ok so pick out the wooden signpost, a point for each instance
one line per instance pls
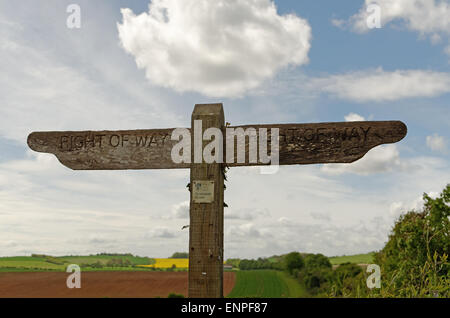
(342, 142)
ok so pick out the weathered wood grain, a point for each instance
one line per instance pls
(341, 142)
(108, 150)
(206, 219)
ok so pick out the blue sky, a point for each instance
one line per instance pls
(322, 67)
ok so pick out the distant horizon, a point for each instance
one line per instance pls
(120, 254)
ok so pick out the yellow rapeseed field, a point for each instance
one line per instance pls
(169, 262)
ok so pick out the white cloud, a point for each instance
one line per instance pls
(325, 217)
(160, 233)
(181, 210)
(437, 143)
(447, 50)
(245, 214)
(243, 232)
(400, 207)
(423, 16)
(354, 117)
(56, 94)
(427, 17)
(378, 160)
(396, 209)
(377, 85)
(47, 208)
(325, 237)
(435, 39)
(284, 220)
(218, 48)
(338, 22)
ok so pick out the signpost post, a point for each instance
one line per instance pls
(290, 144)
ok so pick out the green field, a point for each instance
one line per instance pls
(356, 259)
(50, 263)
(103, 262)
(103, 259)
(266, 284)
(28, 264)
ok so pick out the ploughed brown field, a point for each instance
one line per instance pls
(100, 284)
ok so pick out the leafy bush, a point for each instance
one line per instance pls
(260, 263)
(115, 254)
(414, 262)
(53, 260)
(233, 262)
(348, 280)
(96, 265)
(180, 255)
(294, 261)
(317, 261)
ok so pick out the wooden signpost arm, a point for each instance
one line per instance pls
(341, 142)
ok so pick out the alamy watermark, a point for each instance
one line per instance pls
(257, 152)
(74, 19)
(374, 279)
(74, 279)
(373, 20)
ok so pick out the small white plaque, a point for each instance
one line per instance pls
(203, 191)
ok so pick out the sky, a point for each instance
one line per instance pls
(143, 65)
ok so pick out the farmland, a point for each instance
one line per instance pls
(266, 284)
(356, 259)
(110, 275)
(142, 284)
(90, 263)
(125, 262)
(168, 263)
(104, 259)
(24, 263)
(39, 263)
